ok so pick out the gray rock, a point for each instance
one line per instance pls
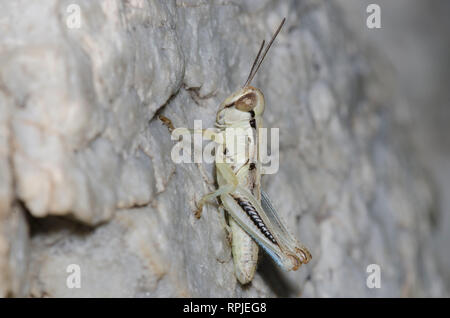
(82, 151)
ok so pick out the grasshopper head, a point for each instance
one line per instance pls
(248, 101)
(244, 104)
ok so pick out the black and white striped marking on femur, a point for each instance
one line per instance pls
(254, 216)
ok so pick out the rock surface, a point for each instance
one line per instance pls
(86, 172)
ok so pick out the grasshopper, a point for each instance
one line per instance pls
(253, 220)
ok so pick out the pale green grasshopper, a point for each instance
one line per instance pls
(253, 218)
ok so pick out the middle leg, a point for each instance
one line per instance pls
(231, 180)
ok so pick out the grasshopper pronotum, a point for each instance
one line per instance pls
(253, 218)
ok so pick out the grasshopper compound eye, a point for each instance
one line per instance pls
(246, 103)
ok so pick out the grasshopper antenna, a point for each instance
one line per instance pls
(254, 63)
(257, 64)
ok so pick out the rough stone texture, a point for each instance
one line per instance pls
(419, 54)
(83, 153)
